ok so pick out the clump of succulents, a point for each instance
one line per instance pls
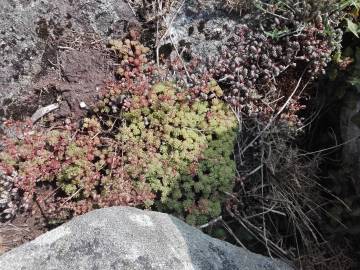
(9, 196)
(63, 170)
(146, 143)
(132, 55)
(314, 24)
(264, 55)
(177, 143)
(251, 64)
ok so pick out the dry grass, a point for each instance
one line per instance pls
(277, 188)
(153, 11)
(317, 259)
(240, 6)
(278, 200)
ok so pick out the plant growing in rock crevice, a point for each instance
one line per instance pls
(149, 144)
(177, 143)
(73, 162)
(258, 58)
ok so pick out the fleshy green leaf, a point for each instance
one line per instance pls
(352, 27)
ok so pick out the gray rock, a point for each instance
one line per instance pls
(129, 238)
(27, 26)
(350, 133)
(201, 27)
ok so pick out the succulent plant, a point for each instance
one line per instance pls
(132, 55)
(261, 55)
(177, 142)
(9, 196)
(145, 144)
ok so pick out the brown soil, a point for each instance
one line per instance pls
(22, 229)
(76, 73)
(83, 74)
(79, 72)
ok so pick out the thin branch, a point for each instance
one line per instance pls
(233, 234)
(43, 111)
(211, 222)
(271, 121)
(72, 196)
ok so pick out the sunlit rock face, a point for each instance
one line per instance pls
(129, 238)
(29, 31)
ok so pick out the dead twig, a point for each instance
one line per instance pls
(72, 196)
(271, 121)
(211, 222)
(233, 234)
(43, 111)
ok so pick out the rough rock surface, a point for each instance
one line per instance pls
(83, 75)
(129, 238)
(27, 28)
(201, 27)
(350, 132)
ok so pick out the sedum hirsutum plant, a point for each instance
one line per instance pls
(146, 144)
(180, 146)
